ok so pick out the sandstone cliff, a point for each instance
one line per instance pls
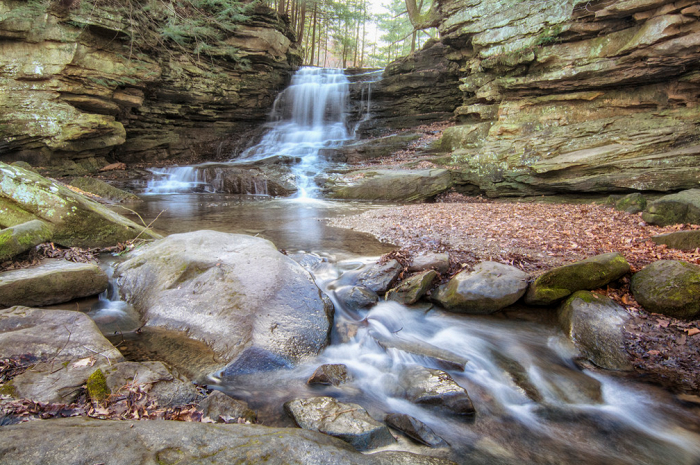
(565, 96)
(77, 90)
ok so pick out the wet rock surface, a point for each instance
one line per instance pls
(488, 288)
(51, 282)
(414, 429)
(349, 422)
(356, 297)
(435, 389)
(596, 326)
(412, 289)
(379, 277)
(669, 287)
(254, 307)
(224, 409)
(330, 374)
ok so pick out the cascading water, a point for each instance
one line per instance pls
(308, 116)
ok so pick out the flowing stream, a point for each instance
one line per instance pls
(533, 403)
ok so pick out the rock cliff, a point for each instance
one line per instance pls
(565, 96)
(82, 83)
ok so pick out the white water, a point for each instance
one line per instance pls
(309, 115)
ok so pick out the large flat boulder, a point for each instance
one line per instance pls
(67, 346)
(390, 185)
(488, 288)
(595, 324)
(254, 307)
(435, 389)
(670, 287)
(84, 440)
(588, 274)
(682, 240)
(683, 207)
(51, 282)
(76, 220)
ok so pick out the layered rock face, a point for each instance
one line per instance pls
(575, 96)
(77, 89)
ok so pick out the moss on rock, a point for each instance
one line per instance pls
(97, 386)
(669, 287)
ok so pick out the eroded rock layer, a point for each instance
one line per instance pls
(86, 83)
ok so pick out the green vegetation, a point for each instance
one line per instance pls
(549, 35)
(97, 388)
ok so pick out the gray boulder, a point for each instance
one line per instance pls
(330, 374)
(390, 185)
(683, 207)
(67, 345)
(162, 383)
(435, 389)
(254, 307)
(76, 220)
(414, 429)
(681, 240)
(595, 324)
(22, 237)
(439, 262)
(490, 287)
(669, 287)
(51, 282)
(151, 442)
(225, 409)
(379, 277)
(413, 288)
(585, 275)
(356, 297)
(349, 422)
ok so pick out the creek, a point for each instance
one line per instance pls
(534, 404)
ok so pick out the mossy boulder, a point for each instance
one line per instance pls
(595, 324)
(22, 237)
(683, 207)
(588, 274)
(490, 287)
(413, 288)
(76, 220)
(104, 190)
(669, 287)
(681, 240)
(632, 203)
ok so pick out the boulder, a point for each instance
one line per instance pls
(379, 277)
(390, 185)
(681, 240)
(103, 190)
(225, 409)
(439, 262)
(330, 374)
(413, 288)
(22, 237)
(356, 297)
(441, 357)
(51, 282)
(683, 207)
(76, 220)
(67, 346)
(254, 307)
(588, 274)
(349, 422)
(436, 390)
(162, 383)
(414, 429)
(118, 442)
(595, 324)
(669, 287)
(490, 287)
(631, 203)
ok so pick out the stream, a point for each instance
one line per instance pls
(533, 403)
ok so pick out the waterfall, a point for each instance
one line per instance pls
(307, 116)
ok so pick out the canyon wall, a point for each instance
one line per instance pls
(78, 92)
(566, 96)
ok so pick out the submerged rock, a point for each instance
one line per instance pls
(669, 287)
(181, 442)
(490, 287)
(51, 282)
(415, 429)
(390, 185)
(256, 308)
(67, 346)
(76, 221)
(349, 422)
(588, 274)
(379, 277)
(333, 375)
(413, 288)
(683, 207)
(435, 389)
(595, 324)
(225, 409)
(22, 237)
(356, 297)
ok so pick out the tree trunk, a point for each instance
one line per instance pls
(422, 21)
(301, 19)
(313, 36)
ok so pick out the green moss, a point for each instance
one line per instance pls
(9, 389)
(97, 386)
